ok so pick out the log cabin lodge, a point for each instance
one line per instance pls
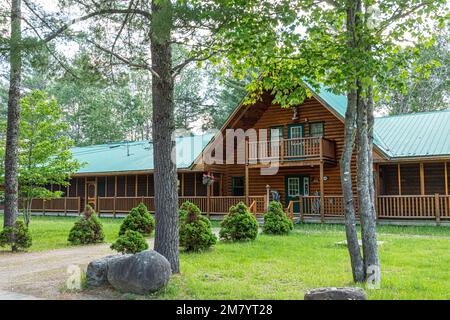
(411, 170)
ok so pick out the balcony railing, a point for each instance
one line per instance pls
(290, 150)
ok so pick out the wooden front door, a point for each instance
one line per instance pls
(91, 191)
(296, 186)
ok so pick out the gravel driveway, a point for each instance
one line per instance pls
(43, 274)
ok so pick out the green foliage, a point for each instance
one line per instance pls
(130, 242)
(239, 224)
(276, 220)
(87, 229)
(427, 79)
(17, 237)
(139, 219)
(309, 42)
(195, 229)
(44, 150)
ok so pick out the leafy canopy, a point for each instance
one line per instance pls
(44, 148)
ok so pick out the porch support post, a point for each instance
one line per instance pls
(115, 186)
(322, 202)
(377, 187)
(208, 203)
(422, 179)
(446, 178)
(182, 184)
(437, 209)
(115, 195)
(126, 186)
(195, 184)
(399, 176)
(136, 186)
(246, 172)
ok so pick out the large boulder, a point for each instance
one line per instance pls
(141, 273)
(97, 271)
(336, 294)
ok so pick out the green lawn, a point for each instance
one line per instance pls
(51, 232)
(415, 265)
(415, 262)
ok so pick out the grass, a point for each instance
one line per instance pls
(415, 265)
(415, 262)
(50, 232)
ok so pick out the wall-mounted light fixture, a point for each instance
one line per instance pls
(295, 116)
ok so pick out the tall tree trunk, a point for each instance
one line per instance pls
(165, 176)
(346, 160)
(366, 191)
(12, 133)
(347, 190)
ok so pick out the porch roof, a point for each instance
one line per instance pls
(137, 155)
(423, 134)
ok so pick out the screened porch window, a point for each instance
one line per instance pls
(237, 186)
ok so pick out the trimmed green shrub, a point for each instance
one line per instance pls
(239, 224)
(130, 242)
(276, 220)
(19, 234)
(195, 229)
(88, 229)
(140, 220)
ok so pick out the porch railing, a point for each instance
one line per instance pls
(414, 207)
(62, 205)
(290, 149)
(433, 207)
(213, 205)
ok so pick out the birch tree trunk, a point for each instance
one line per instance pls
(165, 176)
(346, 160)
(366, 190)
(12, 131)
(347, 190)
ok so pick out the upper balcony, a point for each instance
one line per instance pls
(291, 151)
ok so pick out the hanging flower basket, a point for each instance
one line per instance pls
(208, 179)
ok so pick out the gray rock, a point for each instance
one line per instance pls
(336, 294)
(97, 271)
(141, 273)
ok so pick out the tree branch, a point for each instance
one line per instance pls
(402, 14)
(126, 60)
(56, 33)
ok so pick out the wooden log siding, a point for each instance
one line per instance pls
(263, 115)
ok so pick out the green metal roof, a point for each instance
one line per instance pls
(337, 102)
(416, 134)
(136, 156)
(409, 135)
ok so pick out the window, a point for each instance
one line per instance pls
(293, 187)
(276, 133)
(237, 185)
(316, 129)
